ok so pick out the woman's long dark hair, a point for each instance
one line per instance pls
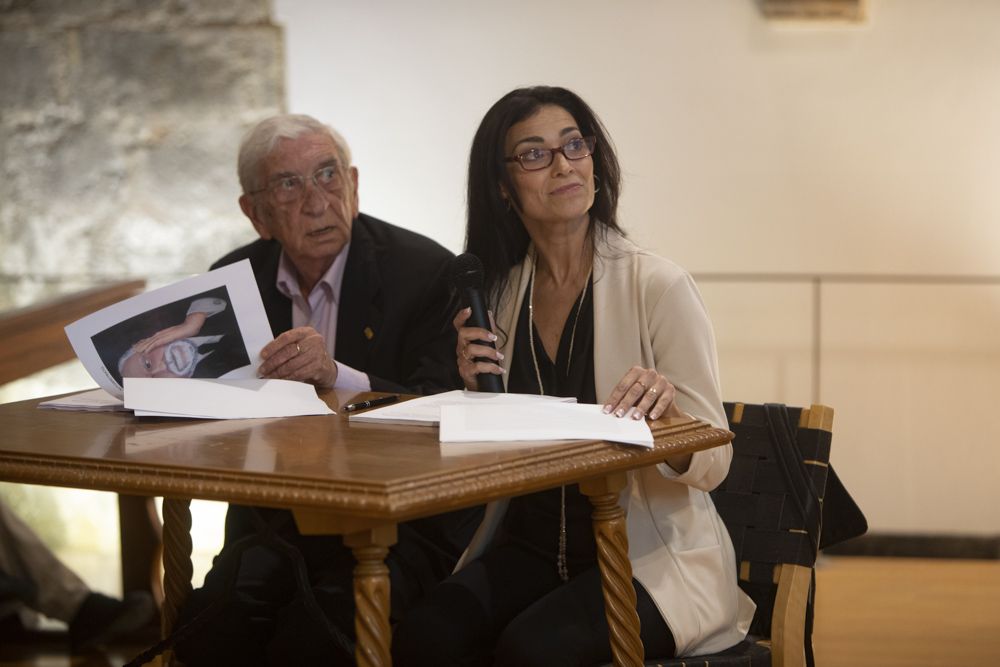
(494, 231)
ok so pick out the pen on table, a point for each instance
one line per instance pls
(371, 403)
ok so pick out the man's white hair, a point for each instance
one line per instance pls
(258, 143)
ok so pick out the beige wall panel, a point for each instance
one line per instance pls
(764, 336)
(913, 373)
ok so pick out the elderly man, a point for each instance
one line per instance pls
(354, 303)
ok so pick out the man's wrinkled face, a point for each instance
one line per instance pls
(309, 200)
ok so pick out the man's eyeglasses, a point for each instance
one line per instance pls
(289, 189)
(540, 158)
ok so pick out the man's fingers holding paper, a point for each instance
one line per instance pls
(298, 354)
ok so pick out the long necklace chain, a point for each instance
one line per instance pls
(561, 565)
(531, 326)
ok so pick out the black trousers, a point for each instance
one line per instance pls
(271, 618)
(425, 552)
(510, 609)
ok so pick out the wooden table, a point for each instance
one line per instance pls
(358, 480)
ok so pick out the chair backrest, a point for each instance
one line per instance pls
(771, 502)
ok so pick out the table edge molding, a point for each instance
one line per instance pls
(548, 467)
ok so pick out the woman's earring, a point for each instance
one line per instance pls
(509, 205)
(597, 188)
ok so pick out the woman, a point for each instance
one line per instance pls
(581, 311)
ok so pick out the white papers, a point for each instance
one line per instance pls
(95, 400)
(549, 421)
(221, 399)
(212, 325)
(426, 411)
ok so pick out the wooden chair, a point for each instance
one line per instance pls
(772, 502)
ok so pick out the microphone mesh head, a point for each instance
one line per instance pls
(466, 271)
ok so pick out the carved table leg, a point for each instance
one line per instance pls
(177, 568)
(616, 570)
(371, 595)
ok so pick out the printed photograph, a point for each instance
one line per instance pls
(192, 337)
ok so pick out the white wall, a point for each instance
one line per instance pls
(872, 148)
(747, 146)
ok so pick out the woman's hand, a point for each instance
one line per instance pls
(469, 348)
(189, 327)
(645, 392)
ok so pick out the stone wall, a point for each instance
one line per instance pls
(119, 124)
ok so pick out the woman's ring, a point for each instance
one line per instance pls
(652, 390)
(298, 350)
(644, 387)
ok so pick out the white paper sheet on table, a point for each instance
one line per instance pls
(221, 399)
(426, 410)
(550, 421)
(95, 400)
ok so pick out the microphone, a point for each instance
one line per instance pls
(467, 279)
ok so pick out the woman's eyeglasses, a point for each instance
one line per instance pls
(540, 158)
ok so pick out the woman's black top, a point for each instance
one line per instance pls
(532, 521)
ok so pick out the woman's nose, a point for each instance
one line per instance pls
(560, 163)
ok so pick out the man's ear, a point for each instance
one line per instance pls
(356, 206)
(250, 211)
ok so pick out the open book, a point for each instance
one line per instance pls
(426, 411)
(530, 423)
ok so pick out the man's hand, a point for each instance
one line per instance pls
(298, 354)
